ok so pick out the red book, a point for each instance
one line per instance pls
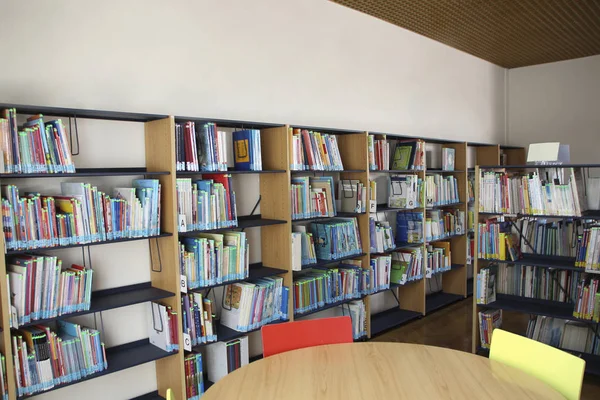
(308, 148)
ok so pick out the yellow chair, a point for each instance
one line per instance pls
(170, 394)
(558, 369)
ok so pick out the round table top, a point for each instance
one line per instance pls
(379, 371)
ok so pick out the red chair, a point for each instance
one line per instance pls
(288, 336)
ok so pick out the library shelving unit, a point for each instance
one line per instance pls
(521, 304)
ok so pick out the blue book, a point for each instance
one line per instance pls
(242, 150)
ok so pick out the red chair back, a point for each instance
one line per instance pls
(279, 338)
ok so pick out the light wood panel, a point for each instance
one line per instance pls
(515, 156)
(160, 156)
(353, 149)
(487, 155)
(378, 371)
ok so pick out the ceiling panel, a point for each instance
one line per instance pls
(509, 33)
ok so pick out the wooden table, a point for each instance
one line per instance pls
(378, 371)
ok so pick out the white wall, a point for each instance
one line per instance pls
(557, 102)
(289, 61)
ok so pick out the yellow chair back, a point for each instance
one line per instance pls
(170, 395)
(558, 369)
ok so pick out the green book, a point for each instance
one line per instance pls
(402, 156)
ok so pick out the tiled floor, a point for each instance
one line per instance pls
(451, 327)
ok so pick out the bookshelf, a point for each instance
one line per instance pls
(272, 225)
(531, 304)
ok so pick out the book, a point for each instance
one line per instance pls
(303, 241)
(407, 266)
(358, 316)
(314, 151)
(352, 195)
(162, 327)
(336, 238)
(223, 358)
(381, 235)
(198, 322)
(488, 321)
(409, 228)
(439, 257)
(200, 148)
(409, 155)
(382, 269)
(247, 150)
(194, 376)
(404, 191)
(3, 378)
(39, 147)
(378, 153)
(486, 284)
(312, 197)
(441, 190)
(444, 224)
(448, 157)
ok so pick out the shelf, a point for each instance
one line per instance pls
(446, 238)
(119, 358)
(310, 171)
(340, 214)
(256, 271)
(229, 171)
(11, 252)
(535, 306)
(441, 171)
(244, 222)
(550, 262)
(522, 166)
(322, 263)
(325, 307)
(392, 318)
(82, 172)
(397, 285)
(452, 267)
(150, 396)
(228, 123)
(437, 207)
(225, 334)
(329, 131)
(83, 113)
(398, 171)
(435, 301)
(109, 299)
(385, 208)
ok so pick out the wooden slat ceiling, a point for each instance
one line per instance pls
(509, 33)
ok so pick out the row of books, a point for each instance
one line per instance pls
(303, 248)
(336, 238)
(358, 315)
(213, 259)
(441, 190)
(379, 153)
(82, 214)
(382, 269)
(162, 328)
(537, 282)
(405, 191)
(206, 204)
(197, 313)
(249, 305)
(407, 266)
(409, 227)
(200, 148)
(439, 258)
(588, 249)
(496, 242)
(38, 288)
(549, 192)
(549, 238)
(194, 376)
(37, 147)
(563, 334)
(488, 321)
(312, 197)
(44, 358)
(315, 151)
(471, 218)
(320, 286)
(470, 250)
(3, 378)
(441, 224)
(587, 300)
(381, 235)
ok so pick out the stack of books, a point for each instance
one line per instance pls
(247, 150)
(538, 282)
(382, 268)
(439, 258)
(249, 305)
(407, 266)
(352, 196)
(488, 321)
(82, 214)
(213, 259)
(320, 286)
(40, 289)
(550, 238)
(587, 251)
(587, 301)
(201, 148)
(194, 376)
(358, 315)
(303, 248)
(486, 285)
(206, 204)
(44, 358)
(409, 155)
(223, 358)
(556, 193)
(312, 197)
(442, 224)
(197, 315)
(40, 147)
(563, 334)
(336, 238)
(405, 192)
(315, 151)
(379, 153)
(441, 190)
(409, 227)
(381, 235)
(162, 328)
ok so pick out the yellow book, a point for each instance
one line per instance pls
(501, 247)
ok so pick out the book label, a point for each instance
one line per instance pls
(373, 206)
(182, 224)
(403, 280)
(428, 273)
(187, 342)
(183, 284)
